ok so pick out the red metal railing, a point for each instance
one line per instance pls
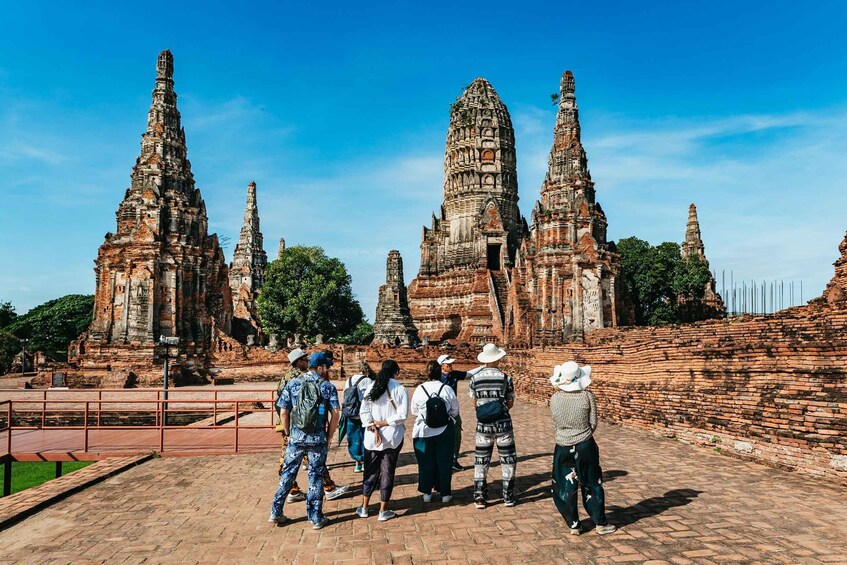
(7, 428)
(57, 415)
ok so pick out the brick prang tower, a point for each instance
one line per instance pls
(565, 282)
(462, 287)
(393, 324)
(160, 273)
(247, 272)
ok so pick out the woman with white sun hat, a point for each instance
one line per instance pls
(576, 460)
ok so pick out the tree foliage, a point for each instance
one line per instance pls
(51, 326)
(9, 347)
(362, 335)
(660, 280)
(7, 314)
(309, 293)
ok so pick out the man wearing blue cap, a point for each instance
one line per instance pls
(312, 441)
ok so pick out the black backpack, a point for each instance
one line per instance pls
(352, 401)
(306, 412)
(436, 410)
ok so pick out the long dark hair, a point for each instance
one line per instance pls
(388, 370)
(433, 371)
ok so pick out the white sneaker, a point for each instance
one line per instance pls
(446, 498)
(295, 497)
(277, 519)
(387, 515)
(427, 498)
(338, 491)
(362, 512)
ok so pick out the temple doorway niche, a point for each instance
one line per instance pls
(493, 257)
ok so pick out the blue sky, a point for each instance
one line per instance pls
(339, 112)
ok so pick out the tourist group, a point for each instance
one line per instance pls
(374, 409)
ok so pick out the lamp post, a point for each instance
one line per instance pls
(23, 356)
(167, 342)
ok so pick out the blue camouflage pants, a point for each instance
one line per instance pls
(294, 454)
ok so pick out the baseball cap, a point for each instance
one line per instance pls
(318, 359)
(445, 359)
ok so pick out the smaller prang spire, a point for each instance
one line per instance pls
(693, 240)
(251, 212)
(393, 324)
(165, 66)
(281, 248)
(567, 162)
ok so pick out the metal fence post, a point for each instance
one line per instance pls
(236, 426)
(7, 476)
(85, 428)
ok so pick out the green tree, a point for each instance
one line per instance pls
(665, 288)
(51, 326)
(9, 347)
(362, 335)
(7, 314)
(309, 293)
(649, 272)
(691, 278)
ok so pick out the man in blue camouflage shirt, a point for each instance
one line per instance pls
(300, 443)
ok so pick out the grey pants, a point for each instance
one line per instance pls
(487, 435)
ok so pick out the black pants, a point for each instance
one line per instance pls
(379, 470)
(577, 468)
(435, 461)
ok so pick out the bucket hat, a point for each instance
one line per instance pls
(490, 353)
(571, 377)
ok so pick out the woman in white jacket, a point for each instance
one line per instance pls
(383, 412)
(434, 445)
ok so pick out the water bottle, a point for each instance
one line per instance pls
(322, 416)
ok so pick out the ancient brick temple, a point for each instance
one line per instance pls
(463, 283)
(564, 281)
(835, 294)
(393, 324)
(160, 273)
(247, 273)
(711, 306)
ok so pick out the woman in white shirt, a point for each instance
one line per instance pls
(384, 411)
(434, 445)
(355, 432)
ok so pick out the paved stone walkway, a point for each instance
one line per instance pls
(674, 503)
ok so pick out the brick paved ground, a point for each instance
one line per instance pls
(674, 503)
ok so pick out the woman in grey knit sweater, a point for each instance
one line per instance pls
(576, 460)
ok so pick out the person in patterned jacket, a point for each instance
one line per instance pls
(494, 395)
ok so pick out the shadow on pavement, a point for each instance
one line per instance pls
(650, 506)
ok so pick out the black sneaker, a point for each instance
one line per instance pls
(509, 501)
(457, 466)
(479, 501)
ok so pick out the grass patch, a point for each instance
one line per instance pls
(26, 474)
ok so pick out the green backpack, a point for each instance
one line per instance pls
(306, 412)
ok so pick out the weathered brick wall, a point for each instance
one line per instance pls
(769, 388)
(246, 364)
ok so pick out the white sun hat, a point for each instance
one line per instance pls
(490, 353)
(571, 377)
(445, 359)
